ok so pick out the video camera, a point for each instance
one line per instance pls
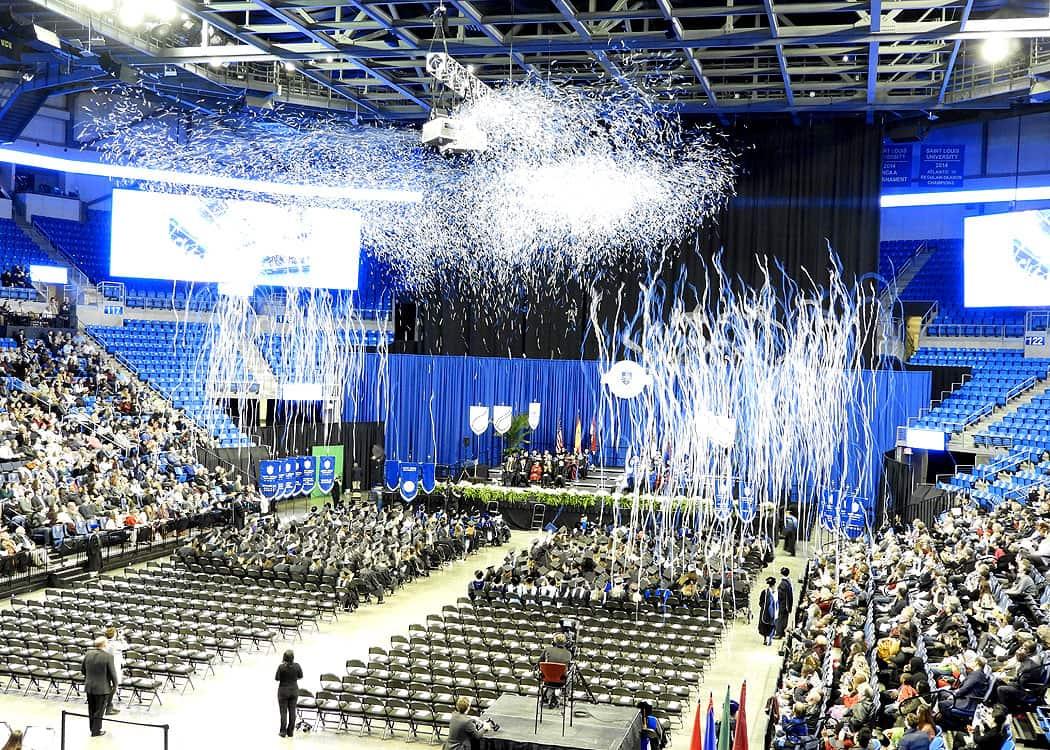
(571, 629)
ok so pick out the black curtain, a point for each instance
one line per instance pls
(941, 378)
(801, 188)
(359, 441)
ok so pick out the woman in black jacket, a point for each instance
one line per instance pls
(288, 675)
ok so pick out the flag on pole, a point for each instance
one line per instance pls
(725, 736)
(594, 436)
(740, 735)
(695, 742)
(559, 438)
(709, 723)
(577, 436)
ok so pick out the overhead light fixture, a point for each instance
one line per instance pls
(290, 67)
(218, 181)
(996, 49)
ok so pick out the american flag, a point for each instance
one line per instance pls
(559, 438)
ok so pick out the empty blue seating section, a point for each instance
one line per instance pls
(894, 254)
(941, 279)
(172, 357)
(86, 243)
(997, 375)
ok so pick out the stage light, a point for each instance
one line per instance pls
(217, 181)
(290, 67)
(995, 49)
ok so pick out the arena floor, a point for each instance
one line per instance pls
(237, 707)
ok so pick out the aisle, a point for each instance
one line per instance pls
(237, 707)
(742, 656)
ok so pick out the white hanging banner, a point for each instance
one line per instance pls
(626, 379)
(479, 419)
(534, 415)
(501, 418)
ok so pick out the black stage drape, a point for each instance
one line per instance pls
(800, 189)
(357, 438)
(941, 378)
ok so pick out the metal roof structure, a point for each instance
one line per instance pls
(707, 57)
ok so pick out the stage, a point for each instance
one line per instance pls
(594, 727)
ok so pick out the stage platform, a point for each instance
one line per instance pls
(594, 727)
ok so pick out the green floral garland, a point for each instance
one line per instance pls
(569, 498)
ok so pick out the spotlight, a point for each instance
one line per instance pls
(995, 49)
(290, 67)
(812, 94)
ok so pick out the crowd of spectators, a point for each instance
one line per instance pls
(927, 638)
(593, 563)
(16, 277)
(360, 549)
(84, 447)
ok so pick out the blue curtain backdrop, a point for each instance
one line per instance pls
(430, 396)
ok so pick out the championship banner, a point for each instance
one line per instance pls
(479, 419)
(326, 473)
(746, 503)
(391, 475)
(308, 473)
(428, 477)
(501, 419)
(268, 479)
(534, 415)
(408, 482)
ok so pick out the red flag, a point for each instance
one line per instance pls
(740, 737)
(694, 741)
(594, 436)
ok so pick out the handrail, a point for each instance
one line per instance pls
(979, 414)
(1021, 387)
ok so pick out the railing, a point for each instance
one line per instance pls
(930, 315)
(978, 415)
(1021, 387)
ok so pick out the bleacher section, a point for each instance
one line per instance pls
(16, 249)
(84, 242)
(895, 254)
(272, 349)
(149, 347)
(1029, 426)
(941, 279)
(1003, 479)
(997, 376)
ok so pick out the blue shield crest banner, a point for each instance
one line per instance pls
(408, 484)
(853, 518)
(297, 475)
(428, 477)
(746, 503)
(723, 500)
(268, 479)
(288, 478)
(325, 473)
(391, 474)
(308, 474)
(829, 509)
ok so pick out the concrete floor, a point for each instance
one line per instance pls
(237, 707)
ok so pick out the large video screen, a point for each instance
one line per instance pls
(237, 242)
(1006, 260)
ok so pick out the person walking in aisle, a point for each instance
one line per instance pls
(288, 675)
(116, 647)
(768, 611)
(786, 600)
(790, 532)
(100, 680)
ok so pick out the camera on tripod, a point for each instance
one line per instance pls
(570, 628)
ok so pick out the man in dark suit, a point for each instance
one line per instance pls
(463, 731)
(100, 679)
(94, 552)
(787, 600)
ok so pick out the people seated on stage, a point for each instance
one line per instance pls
(557, 469)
